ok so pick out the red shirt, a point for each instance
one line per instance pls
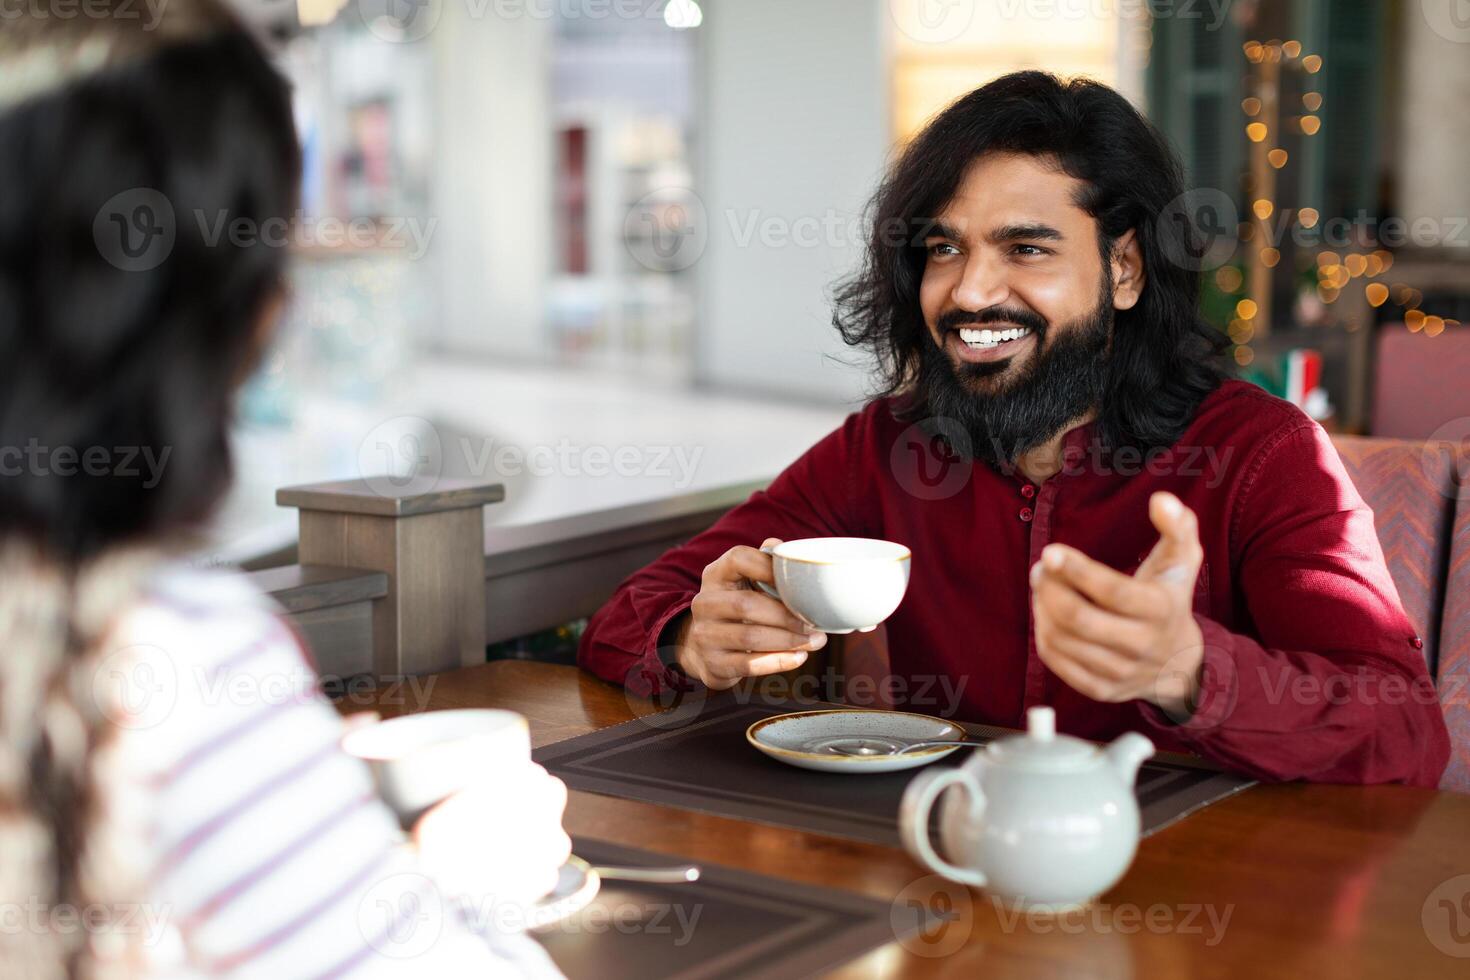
(1311, 667)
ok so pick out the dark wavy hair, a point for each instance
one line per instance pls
(113, 351)
(97, 350)
(1164, 357)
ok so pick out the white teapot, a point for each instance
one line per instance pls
(1045, 821)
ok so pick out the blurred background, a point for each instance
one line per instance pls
(553, 225)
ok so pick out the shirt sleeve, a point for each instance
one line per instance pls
(817, 495)
(1330, 682)
(271, 853)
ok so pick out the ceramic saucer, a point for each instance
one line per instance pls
(835, 740)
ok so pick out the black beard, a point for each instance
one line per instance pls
(1064, 381)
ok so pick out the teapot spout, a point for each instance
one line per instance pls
(1127, 753)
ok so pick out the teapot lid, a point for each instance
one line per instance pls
(1041, 748)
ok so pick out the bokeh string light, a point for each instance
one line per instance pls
(1334, 273)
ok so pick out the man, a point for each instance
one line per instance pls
(1099, 520)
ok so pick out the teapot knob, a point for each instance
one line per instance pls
(1041, 723)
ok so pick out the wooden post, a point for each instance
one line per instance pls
(431, 545)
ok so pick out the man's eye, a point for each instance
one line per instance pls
(943, 248)
(1031, 250)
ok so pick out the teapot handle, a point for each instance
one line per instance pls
(913, 819)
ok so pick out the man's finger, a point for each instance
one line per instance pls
(1102, 662)
(1108, 588)
(1175, 559)
(745, 605)
(744, 637)
(737, 566)
(731, 666)
(1075, 675)
(1065, 608)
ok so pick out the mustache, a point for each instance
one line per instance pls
(955, 319)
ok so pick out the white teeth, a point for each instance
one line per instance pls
(991, 338)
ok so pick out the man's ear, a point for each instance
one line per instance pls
(1128, 274)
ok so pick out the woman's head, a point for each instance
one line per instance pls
(127, 318)
(1033, 206)
(126, 322)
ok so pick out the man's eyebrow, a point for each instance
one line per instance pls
(1025, 232)
(938, 229)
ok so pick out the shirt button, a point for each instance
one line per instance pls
(1417, 643)
(1025, 514)
(1028, 491)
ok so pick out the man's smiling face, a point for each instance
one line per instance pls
(1013, 265)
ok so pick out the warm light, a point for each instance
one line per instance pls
(1245, 309)
(1246, 231)
(1241, 331)
(1228, 278)
(1433, 326)
(1450, 324)
(1273, 51)
(1277, 158)
(1414, 320)
(1251, 105)
(1312, 63)
(1310, 125)
(1292, 48)
(1269, 257)
(1312, 100)
(315, 13)
(1375, 266)
(1256, 131)
(1308, 218)
(1386, 257)
(1328, 258)
(1262, 208)
(682, 15)
(1356, 265)
(1326, 293)
(1254, 52)
(1377, 293)
(1244, 355)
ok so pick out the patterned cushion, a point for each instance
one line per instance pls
(1411, 488)
(1454, 641)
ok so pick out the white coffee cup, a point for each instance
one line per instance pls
(840, 585)
(420, 760)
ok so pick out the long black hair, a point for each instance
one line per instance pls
(126, 324)
(1164, 358)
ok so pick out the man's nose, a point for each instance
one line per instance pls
(982, 284)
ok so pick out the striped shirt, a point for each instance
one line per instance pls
(267, 851)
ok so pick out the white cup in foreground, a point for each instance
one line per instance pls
(420, 760)
(840, 585)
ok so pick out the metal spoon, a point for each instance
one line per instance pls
(662, 876)
(868, 751)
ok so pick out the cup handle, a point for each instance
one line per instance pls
(913, 819)
(770, 590)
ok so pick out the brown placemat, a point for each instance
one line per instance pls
(729, 923)
(699, 760)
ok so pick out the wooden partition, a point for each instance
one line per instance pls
(404, 582)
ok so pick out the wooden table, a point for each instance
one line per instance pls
(1291, 880)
